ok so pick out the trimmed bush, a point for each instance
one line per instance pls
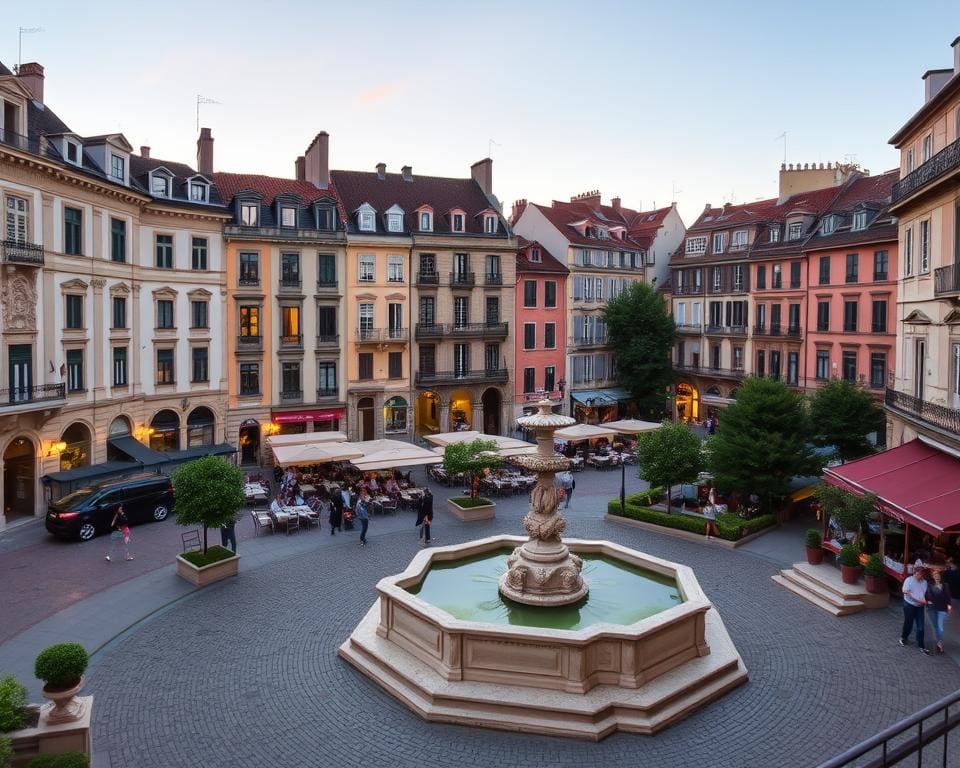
(213, 555)
(647, 498)
(13, 699)
(61, 666)
(730, 526)
(466, 502)
(813, 538)
(63, 760)
(874, 566)
(850, 555)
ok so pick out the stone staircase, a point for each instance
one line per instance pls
(822, 586)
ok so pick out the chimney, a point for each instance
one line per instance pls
(31, 75)
(381, 171)
(317, 161)
(145, 151)
(591, 199)
(205, 152)
(615, 204)
(299, 168)
(934, 80)
(482, 173)
(407, 173)
(518, 208)
(956, 56)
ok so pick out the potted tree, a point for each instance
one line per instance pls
(61, 669)
(850, 563)
(207, 492)
(875, 576)
(471, 459)
(814, 550)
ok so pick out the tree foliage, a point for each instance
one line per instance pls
(641, 332)
(471, 459)
(848, 510)
(669, 456)
(843, 414)
(761, 442)
(207, 492)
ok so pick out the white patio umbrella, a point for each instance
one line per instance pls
(631, 426)
(506, 446)
(305, 438)
(392, 454)
(580, 432)
(305, 455)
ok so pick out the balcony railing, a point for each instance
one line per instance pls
(946, 281)
(878, 328)
(775, 329)
(374, 335)
(428, 278)
(727, 330)
(249, 343)
(687, 328)
(932, 413)
(26, 396)
(946, 160)
(462, 278)
(327, 284)
(462, 330)
(483, 374)
(706, 370)
(290, 282)
(292, 341)
(794, 331)
(493, 278)
(21, 252)
(248, 281)
(688, 290)
(292, 395)
(589, 341)
(39, 146)
(328, 340)
(760, 330)
(327, 392)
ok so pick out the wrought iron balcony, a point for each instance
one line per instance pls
(462, 330)
(292, 395)
(794, 331)
(932, 413)
(291, 341)
(248, 343)
(377, 335)
(942, 163)
(493, 278)
(328, 340)
(454, 377)
(462, 278)
(589, 341)
(687, 328)
(688, 290)
(726, 330)
(40, 146)
(22, 252)
(327, 284)
(327, 392)
(706, 370)
(428, 278)
(32, 398)
(248, 281)
(290, 282)
(946, 281)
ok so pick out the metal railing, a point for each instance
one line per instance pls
(589, 341)
(292, 340)
(932, 413)
(727, 373)
(328, 340)
(912, 736)
(248, 343)
(38, 394)
(327, 285)
(946, 160)
(689, 328)
(38, 146)
(946, 280)
(795, 331)
(726, 330)
(483, 374)
(382, 334)
(688, 290)
(290, 282)
(493, 278)
(248, 281)
(22, 252)
(327, 392)
(428, 278)
(462, 330)
(462, 278)
(292, 395)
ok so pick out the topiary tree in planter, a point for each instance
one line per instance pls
(61, 669)
(876, 576)
(850, 563)
(207, 492)
(813, 540)
(472, 459)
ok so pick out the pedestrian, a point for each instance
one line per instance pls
(914, 598)
(425, 516)
(939, 600)
(228, 534)
(363, 515)
(119, 534)
(710, 514)
(335, 517)
(569, 486)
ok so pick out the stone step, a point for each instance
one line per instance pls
(788, 579)
(827, 578)
(832, 596)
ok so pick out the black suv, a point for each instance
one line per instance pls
(89, 511)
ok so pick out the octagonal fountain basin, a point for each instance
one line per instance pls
(643, 649)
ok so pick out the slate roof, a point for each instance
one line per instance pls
(442, 194)
(564, 215)
(230, 185)
(140, 168)
(548, 262)
(870, 193)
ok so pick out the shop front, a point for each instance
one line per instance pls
(298, 422)
(596, 406)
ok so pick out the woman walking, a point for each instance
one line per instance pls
(335, 514)
(940, 605)
(425, 515)
(120, 534)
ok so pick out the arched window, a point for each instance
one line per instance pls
(120, 426)
(77, 450)
(200, 425)
(395, 415)
(166, 431)
(714, 391)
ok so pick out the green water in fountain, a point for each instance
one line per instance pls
(620, 593)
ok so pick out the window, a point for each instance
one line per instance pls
(761, 363)
(366, 221)
(761, 276)
(879, 316)
(395, 415)
(461, 359)
(118, 240)
(160, 185)
(327, 323)
(117, 167)
(461, 311)
(164, 248)
(775, 365)
(367, 269)
(490, 225)
(793, 319)
(119, 312)
(549, 378)
(17, 219)
(394, 222)
(697, 286)
(492, 313)
(288, 216)
(738, 277)
(428, 310)
(249, 378)
(491, 357)
(74, 312)
(395, 320)
(761, 317)
(911, 160)
(823, 316)
(776, 276)
(428, 358)
(326, 269)
(717, 279)
(72, 152)
(395, 269)
(366, 321)
(395, 365)
(849, 365)
(853, 267)
(716, 314)
(164, 313)
(290, 270)
(119, 366)
(696, 246)
(794, 274)
(529, 335)
(198, 191)
(859, 221)
(828, 225)
(823, 364)
(165, 366)
(327, 379)
(926, 150)
(925, 246)
(775, 311)
(908, 251)
(878, 369)
(739, 239)
(198, 253)
(290, 331)
(200, 370)
(72, 231)
(850, 316)
(325, 220)
(249, 268)
(535, 255)
(824, 270)
(529, 293)
(250, 321)
(880, 260)
(774, 234)
(719, 241)
(794, 231)
(955, 379)
(549, 335)
(738, 358)
(793, 368)
(75, 370)
(458, 222)
(249, 214)
(529, 379)
(198, 314)
(290, 381)
(365, 366)
(493, 275)
(426, 221)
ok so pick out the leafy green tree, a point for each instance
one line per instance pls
(843, 414)
(641, 332)
(849, 510)
(207, 492)
(669, 456)
(761, 442)
(471, 459)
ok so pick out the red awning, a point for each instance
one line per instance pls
(915, 482)
(296, 417)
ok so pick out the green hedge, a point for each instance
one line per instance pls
(13, 699)
(62, 760)
(647, 498)
(730, 526)
(465, 502)
(214, 555)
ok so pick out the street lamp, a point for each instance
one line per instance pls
(623, 483)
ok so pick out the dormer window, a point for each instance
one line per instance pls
(249, 214)
(739, 239)
(859, 221)
(118, 165)
(159, 185)
(535, 255)
(324, 217)
(394, 222)
(774, 234)
(366, 221)
(457, 222)
(719, 241)
(828, 225)
(199, 192)
(73, 152)
(426, 221)
(794, 231)
(288, 216)
(490, 224)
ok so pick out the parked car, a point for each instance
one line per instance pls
(88, 512)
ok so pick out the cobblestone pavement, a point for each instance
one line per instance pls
(245, 673)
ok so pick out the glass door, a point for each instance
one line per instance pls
(20, 359)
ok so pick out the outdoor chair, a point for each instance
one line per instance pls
(313, 519)
(388, 506)
(261, 521)
(293, 523)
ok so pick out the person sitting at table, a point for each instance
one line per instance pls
(392, 489)
(298, 500)
(275, 505)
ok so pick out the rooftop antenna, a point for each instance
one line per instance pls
(490, 145)
(203, 100)
(25, 31)
(676, 191)
(783, 136)
(850, 159)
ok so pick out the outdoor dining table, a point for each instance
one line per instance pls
(254, 490)
(600, 462)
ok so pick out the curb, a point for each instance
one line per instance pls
(687, 535)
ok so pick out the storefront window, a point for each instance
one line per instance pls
(395, 415)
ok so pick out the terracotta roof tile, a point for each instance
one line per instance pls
(548, 262)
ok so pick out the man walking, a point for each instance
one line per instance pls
(569, 485)
(363, 515)
(228, 534)
(914, 598)
(425, 516)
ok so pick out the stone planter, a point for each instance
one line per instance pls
(876, 585)
(65, 708)
(469, 514)
(47, 738)
(207, 574)
(814, 555)
(850, 573)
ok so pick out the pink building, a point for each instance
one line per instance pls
(851, 265)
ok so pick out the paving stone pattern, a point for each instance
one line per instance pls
(245, 673)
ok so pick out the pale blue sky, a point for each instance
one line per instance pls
(631, 98)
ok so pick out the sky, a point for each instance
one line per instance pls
(651, 102)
